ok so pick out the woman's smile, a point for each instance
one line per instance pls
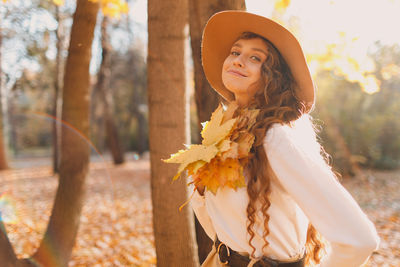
(236, 73)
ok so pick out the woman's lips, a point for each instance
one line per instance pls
(236, 73)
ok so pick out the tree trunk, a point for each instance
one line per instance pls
(57, 93)
(206, 98)
(168, 131)
(3, 159)
(56, 246)
(7, 255)
(103, 88)
(200, 11)
(142, 135)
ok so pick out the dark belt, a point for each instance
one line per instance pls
(232, 258)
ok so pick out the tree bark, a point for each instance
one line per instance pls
(57, 93)
(142, 135)
(200, 11)
(7, 255)
(206, 98)
(56, 246)
(168, 131)
(103, 88)
(3, 158)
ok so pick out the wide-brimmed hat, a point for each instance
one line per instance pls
(223, 29)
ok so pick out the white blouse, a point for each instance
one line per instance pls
(302, 190)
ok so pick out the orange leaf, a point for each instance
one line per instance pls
(220, 173)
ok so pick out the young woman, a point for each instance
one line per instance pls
(291, 194)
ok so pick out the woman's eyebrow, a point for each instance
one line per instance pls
(260, 50)
(254, 48)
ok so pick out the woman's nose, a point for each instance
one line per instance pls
(238, 61)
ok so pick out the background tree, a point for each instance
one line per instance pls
(206, 98)
(59, 32)
(7, 79)
(129, 91)
(56, 246)
(168, 121)
(104, 91)
(200, 11)
(30, 72)
(129, 79)
(3, 159)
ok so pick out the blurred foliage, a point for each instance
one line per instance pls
(360, 128)
(31, 89)
(128, 86)
(129, 81)
(111, 8)
(29, 51)
(33, 92)
(281, 5)
(357, 128)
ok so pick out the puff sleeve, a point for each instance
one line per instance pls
(327, 204)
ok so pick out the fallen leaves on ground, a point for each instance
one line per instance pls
(116, 223)
(377, 192)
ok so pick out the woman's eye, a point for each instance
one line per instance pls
(234, 53)
(256, 58)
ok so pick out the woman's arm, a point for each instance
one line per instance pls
(327, 204)
(199, 208)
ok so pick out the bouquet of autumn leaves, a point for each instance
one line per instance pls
(218, 161)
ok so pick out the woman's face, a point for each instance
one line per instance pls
(241, 71)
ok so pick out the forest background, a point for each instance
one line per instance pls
(355, 64)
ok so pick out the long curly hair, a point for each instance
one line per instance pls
(278, 104)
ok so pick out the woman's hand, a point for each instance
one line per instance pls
(200, 188)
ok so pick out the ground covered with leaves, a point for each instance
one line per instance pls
(116, 223)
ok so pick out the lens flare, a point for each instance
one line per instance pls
(8, 212)
(28, 188)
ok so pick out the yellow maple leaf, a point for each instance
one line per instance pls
(230, 111)
(245, 141)
(247, 118)
(214, 131)
(192, 154)
(224, 145)
(195, 166)
(219, 160)
(232, 152)
(251, 116)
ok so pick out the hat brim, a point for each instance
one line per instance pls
(223, 29)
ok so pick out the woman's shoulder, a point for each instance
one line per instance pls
(299, 133)
(276, 133)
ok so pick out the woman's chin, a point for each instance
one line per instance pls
(236, 89)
